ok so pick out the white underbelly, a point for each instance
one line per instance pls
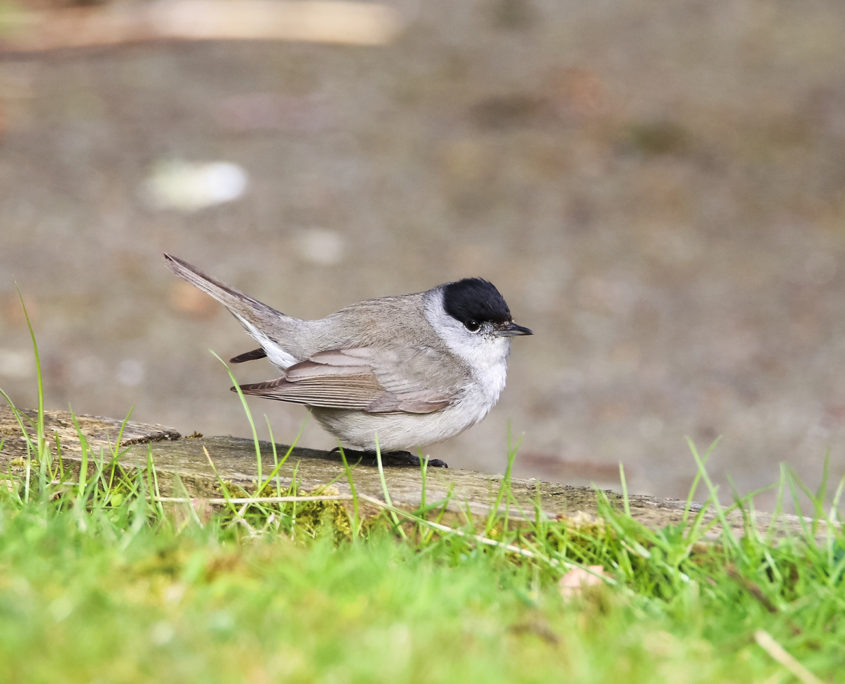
(401, 431)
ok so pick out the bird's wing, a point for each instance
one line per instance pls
(363, 379)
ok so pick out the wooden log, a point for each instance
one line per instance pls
(182, 465)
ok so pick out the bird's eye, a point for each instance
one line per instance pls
(472, 325)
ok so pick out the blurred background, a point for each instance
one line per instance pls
(658, 189)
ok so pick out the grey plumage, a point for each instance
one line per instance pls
(379, 367)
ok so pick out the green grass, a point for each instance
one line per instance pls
(102, 581)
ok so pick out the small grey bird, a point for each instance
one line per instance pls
(391, 373)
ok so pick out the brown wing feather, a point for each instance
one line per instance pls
(346, 392)
(336, 379)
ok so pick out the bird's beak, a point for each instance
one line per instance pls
(511, 329)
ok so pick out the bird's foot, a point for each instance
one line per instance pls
(391, 458)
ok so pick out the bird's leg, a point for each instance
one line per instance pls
(390, 458)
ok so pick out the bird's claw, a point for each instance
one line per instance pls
(391, 458)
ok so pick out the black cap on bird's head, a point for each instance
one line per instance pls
(475, 301)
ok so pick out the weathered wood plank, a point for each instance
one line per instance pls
(185, 460)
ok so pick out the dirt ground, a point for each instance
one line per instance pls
(658, 189)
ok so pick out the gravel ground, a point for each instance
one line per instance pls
(658, 190)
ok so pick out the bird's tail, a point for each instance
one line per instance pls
(237, 302)
(264, 323)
